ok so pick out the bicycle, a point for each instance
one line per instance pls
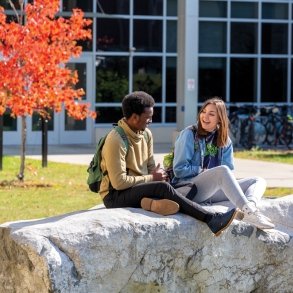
(252, 132)
(234, 126)
(279, 126)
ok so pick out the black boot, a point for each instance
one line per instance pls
(221, 221)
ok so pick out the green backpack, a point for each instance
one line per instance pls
(96, 175)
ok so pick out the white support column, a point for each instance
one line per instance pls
(187, 62)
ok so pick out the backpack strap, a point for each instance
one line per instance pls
(121, 131)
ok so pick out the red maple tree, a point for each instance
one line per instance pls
(34, 48)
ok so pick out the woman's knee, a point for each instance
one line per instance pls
(257, 180)
(223, 175)
(223, 169)
(261, 180)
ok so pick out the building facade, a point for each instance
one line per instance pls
(181, 52)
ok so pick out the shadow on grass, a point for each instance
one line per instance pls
(18, 183)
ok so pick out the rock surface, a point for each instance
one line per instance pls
(131, 250)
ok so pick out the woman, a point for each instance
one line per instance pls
(207, 160)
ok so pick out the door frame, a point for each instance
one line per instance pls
(13, 137)
(80, 136)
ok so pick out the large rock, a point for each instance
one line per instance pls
(130, 250)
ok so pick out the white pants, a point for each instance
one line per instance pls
(219, 184)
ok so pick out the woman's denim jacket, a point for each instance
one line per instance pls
(189, 155)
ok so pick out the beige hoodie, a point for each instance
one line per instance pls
(125, 171)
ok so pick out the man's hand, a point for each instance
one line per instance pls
(159, 174)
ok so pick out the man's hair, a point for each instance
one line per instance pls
(136, 102)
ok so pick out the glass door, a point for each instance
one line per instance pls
(11, 129)
(79, 131)
(34, 129)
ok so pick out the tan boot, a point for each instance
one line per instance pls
(163, 207)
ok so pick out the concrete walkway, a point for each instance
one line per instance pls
(276, 174)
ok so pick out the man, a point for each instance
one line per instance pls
(133, 180)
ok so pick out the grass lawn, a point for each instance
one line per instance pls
(266, 155)
(281, 156)
(270, 156)
(61, 188)
(57, 189)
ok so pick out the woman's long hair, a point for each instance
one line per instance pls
(223, 126)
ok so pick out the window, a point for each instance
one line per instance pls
(171, 114)
(157, 117)
(81, 71)
(292, 38)
(37, 122)
(121, 69)
(172, 7)
(171, 87)
(74, 125)
(274, 11)
(148, 7)
(243, 37)
(274, 80)
(244, 10)
(212, 78)
(212, 8)
(257, 28)
(11, 18)
(291, 100)
(108, 114)
(84, 5)
(112, 34)
(147, 35)
(274, 38)
(111, 79)
(147, 76)
(9, 123)
(113, 6)
(171, 36)
(87, 45)
(243, 81)
(5, 4)
(212, 37)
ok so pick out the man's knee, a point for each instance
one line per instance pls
(165, 187)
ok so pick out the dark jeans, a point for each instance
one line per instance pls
(131, 197)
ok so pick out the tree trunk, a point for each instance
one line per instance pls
(44, 141)
(20, 176)
(1, 141)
